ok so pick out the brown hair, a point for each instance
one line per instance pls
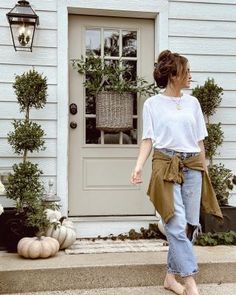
(168, 65)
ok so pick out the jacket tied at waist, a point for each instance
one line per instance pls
(167, 170)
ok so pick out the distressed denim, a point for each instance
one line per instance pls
(187, 198)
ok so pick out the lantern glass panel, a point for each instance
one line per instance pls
(23, 10)
(23, 36)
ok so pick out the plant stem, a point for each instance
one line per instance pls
(27, 120)
(25, 156)
(208, 119)
(210, 159)
(27, 113)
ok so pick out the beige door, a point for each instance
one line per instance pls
(100, 164)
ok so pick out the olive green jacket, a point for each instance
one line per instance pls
(166, 171)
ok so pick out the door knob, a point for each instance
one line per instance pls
(73, 124)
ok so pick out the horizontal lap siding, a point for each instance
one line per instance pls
(205, 32)
(45, 5)
(44, 60)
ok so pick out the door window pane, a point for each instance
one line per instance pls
(92, 134)
(135, 105)
(90, 104)
(111, 43)
(131, 72)
(129, 43)
(93, 41)
(132, 134)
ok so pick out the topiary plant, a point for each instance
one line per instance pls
(213, 141)
(24, 184)
(209, 96)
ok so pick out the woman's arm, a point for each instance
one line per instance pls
(202, 155)
(144, 152)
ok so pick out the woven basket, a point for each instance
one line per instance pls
(114, 111)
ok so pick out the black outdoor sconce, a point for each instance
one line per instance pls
(23, 21)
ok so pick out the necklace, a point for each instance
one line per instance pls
(176, 100)
(177, 103)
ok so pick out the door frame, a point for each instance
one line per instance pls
(154, 9)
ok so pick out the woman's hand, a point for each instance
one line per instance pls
(144, 152)
(136, 176)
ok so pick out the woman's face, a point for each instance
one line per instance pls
(188, 77)
(183, 80)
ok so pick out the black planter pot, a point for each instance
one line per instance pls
(211, 224)
(12, 229)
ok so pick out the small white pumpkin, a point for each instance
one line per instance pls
(53, 214)
(35, 247)
(64, 233)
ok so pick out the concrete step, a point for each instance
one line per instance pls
(204, 289)
(108, 270)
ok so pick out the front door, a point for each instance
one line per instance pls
(100, 163)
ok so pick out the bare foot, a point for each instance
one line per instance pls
(190, 286)
(171, 284)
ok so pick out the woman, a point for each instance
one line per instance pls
(174, 125)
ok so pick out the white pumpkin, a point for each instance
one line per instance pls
(64, 233)
(53, 215)
(35, 247)
(68, 223)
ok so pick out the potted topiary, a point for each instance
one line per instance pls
(222, 178)
(114, 86)
(24, 186)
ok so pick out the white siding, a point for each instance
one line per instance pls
(205, 32)
(44, 60)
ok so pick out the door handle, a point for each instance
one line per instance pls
(73, 109)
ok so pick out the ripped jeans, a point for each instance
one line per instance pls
(187, 198)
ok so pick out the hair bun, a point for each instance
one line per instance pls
(164, 56)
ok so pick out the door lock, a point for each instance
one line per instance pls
(73, 125)
(73, 109)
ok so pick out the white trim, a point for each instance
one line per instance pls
(155, 9)
(91, 227)
(62, 110)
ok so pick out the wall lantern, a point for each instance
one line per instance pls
(23, 21)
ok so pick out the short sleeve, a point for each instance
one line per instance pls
(148, 131)
(201, 125)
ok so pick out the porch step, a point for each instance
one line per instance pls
(108, 270)
(204, 289)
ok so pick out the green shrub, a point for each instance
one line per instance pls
(221, 179)
(214, 239)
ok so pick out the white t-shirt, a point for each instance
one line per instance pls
(172, 128)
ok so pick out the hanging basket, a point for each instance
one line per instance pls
(114, 111)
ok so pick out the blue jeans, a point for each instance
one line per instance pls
(187, 198)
